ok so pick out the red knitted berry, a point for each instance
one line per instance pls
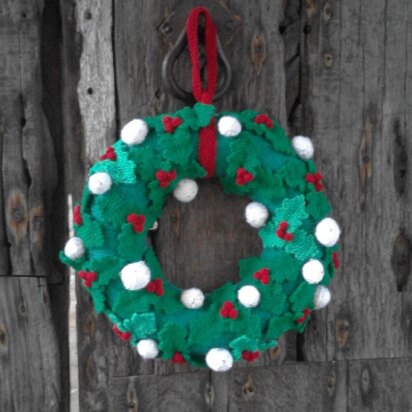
(138, 222)
(178, 358)
(316, 180)
(77, 217)
(243, 176)
(250, 356)
(122, 335)
(306, 313)
(263, 275)
(165, 178)
(335, 259)
(228, 310)
(264, 119)
(155, 286)
(109, 155)
(281, 232)
(171, 123)
(88, 277)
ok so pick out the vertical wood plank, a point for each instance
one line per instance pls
(356, 107)
(33, 356)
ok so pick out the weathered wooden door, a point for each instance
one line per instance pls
(73, 72)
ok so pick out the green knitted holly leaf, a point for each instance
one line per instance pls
(243, 153)
(318, 205)
(133, 301)
(303, 246)
(177, 147)
(270, 185)
(76, 264)
(227, 292)
(172, 338)
(90, 232)
(107, 269)
(141, 325)
(302, 297)
(121, 170)
(146, 162)
(99, 299)
(285, 268)
(204, 112)
(279, 325)
(246, 324)
(273, 300)
(279, 140)
(293, 173)
(292, 211)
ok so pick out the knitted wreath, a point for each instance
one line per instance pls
(251, 156)
(124, 199)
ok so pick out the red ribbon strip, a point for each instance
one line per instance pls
(207, 135)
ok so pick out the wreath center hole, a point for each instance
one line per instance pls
(200, 243)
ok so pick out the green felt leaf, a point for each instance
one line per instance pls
(302, 297)
(279, 325)
(76, 264)
(131, 244)
(136, 301)
(176, 147)
(147, 162)
(90, 232)
(279, 140)
(293, 173)
(273, 300)
(204, 113)
(172, 338)
(141, 325)
(99, 299)
(318, 205)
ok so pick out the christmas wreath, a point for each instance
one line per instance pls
(251, 155)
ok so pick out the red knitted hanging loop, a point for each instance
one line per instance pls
(207, 135)
(202, 95)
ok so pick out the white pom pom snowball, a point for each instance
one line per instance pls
(219, 359)
(134, 132)
(229, 126)
(303, 147)
(256, 214)
(155, 225)
(322, 297)
(147, 348)
(186, 190)
(327, 232)
(100, 183)
(135, 275)
(248, 296)
(74, 248)
(192, 298)
(313, 271)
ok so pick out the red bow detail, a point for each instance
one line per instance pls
(156, 286)
(122, 335)
(109, 155)
(306, 313)
(264, 119)
(335, 259)
(243, 176)
(137, 221)
(165, 178)
(281, 232)
(263, 275)
(171, 123)
(178, 358)
(77, 217)
(228, 310)
(250, 356)
(88, 277)
(315, 179)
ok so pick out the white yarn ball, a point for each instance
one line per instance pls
(303, 147)
(186, 190)
(256, 214)
(134, 132)
(327, 232)
(100, 183)
(135, 275)
(147, 348)
(229, 126)
(322, 297)
(155, 225)
(192, 298)
(74, 248)
(248, 296)
(219, 359)
(313, 271)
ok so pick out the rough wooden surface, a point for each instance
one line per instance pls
(33, 291)
(72, 73)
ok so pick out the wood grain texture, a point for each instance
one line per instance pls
(29, 355)
(357, 106)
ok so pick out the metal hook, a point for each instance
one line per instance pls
(171, 57)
